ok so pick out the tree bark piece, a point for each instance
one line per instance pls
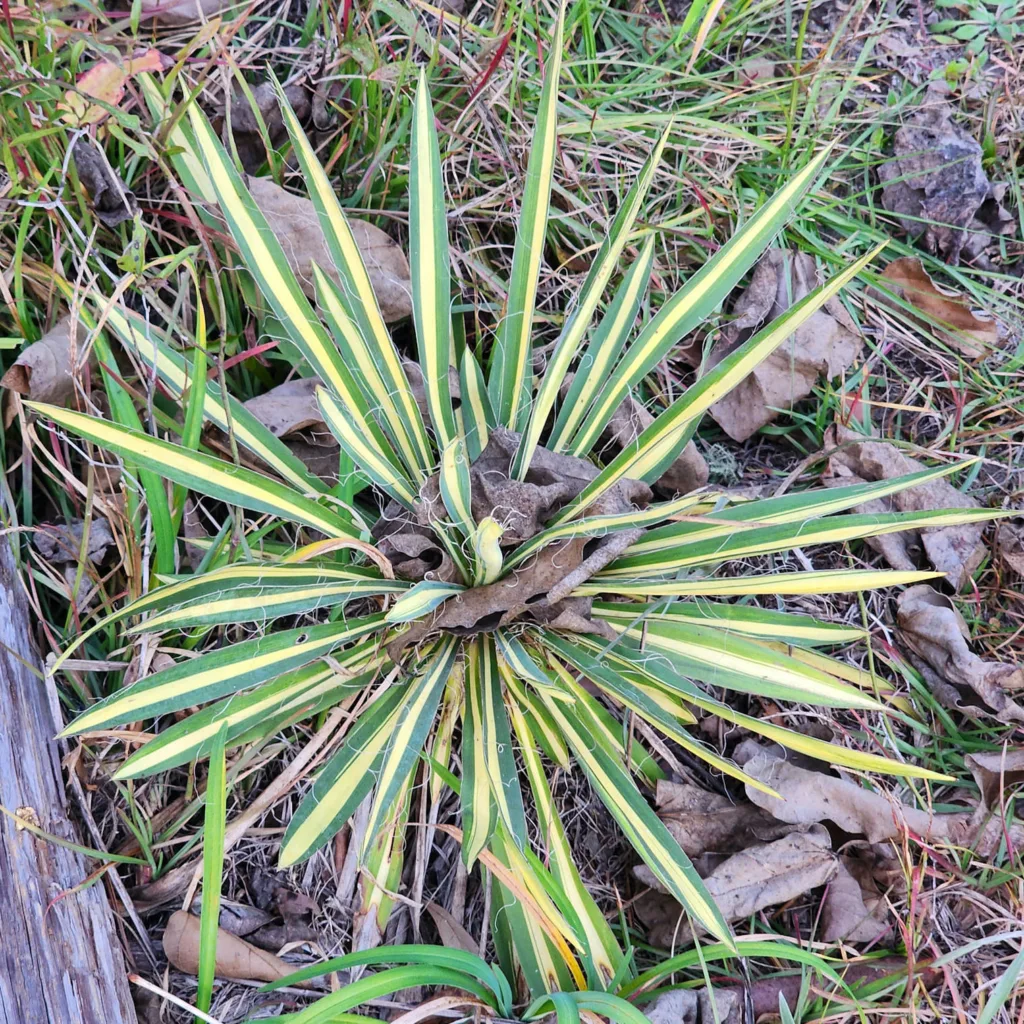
(60, 958)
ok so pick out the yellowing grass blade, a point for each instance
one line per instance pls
(646, 458)
(748, 620)
(153, 347)
(698, 299)
(375, 358)
(220, 672)
(487, 551)
(578, 321)
(508, 382)
(273, 593)
(603, 350)
(431, 276)
(202, 473)
(600, 526)
(413, 724)
(734, 662)
(831, 753)
(712, 548)
(344, 780)
(422, 599)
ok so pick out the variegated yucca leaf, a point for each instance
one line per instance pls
(672, 624)
(205, 474)
(508, 382)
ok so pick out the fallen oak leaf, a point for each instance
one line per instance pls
(958, 326)
(936, 632)
(996, 772)
(854, 908)
(235, 957)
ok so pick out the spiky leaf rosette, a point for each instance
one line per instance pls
(536, 588)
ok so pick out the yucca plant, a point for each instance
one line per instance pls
(532, 630)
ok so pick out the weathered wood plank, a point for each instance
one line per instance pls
(60, 962)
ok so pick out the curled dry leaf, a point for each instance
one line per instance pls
(936, 633)
(1010, 546)
(854, 908)
(709, 824)
(237, 918)
(806, 797)
(542, 587)
(289, 408)
(236, 958)
(61, 543)
(996, 773)
(954, 550)
(450, 931)
(824, 346)
(763, 875)
(699, 1006)
(45, 370)
(961, 329)
(294, 222)
(936, 184)
(112, 201)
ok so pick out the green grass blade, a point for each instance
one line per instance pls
(214, 824)
(477, 415)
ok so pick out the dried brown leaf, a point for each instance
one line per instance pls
(112, 201)
(937, 633)
(289, 408)
(763, 875)
(709, 823)
(1010, 546)
(450, 931)
(236, 958)
(294, 222)
(853, 909)
(935, 176)
(996, 773)
(825, 345)
(61, 544)
(954, 550)
(697, 1006)
(965, 333)
(45, 370)
(807, 796)
(245, 128)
